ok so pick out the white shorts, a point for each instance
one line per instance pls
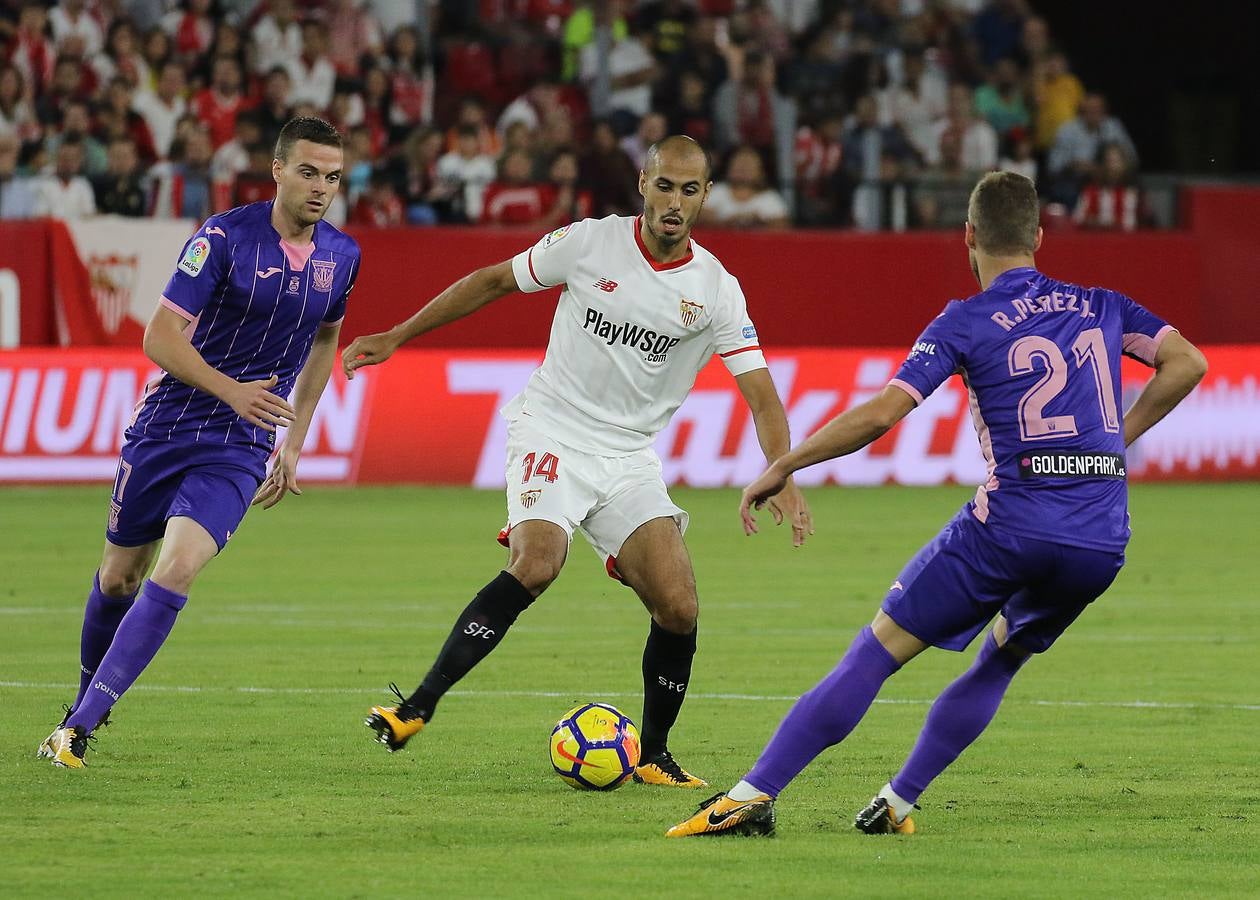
(604, 497)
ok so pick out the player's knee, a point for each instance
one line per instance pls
(535, 573)
(678, 612)
(118, 581)
(176, 574)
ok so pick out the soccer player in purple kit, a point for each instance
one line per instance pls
(251, 314)
(1044, 536)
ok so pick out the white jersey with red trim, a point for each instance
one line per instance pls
(629, 335)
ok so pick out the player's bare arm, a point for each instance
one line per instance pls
(307, 390)
(462, 298)
(166, 342)
(1179, 366)
(771, 423)
(847, 433)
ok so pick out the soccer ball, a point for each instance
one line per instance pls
(595, 747)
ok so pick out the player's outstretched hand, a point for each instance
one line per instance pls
(768, 483)
(367, 350)
(280, 480)
(254, 402)
(789, 504)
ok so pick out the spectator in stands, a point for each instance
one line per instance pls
(118, 106)
(942, 190)
(687, 109)
(122, 57)
(664, 24)
(411, 81)
(67, 85)
(919, 102)
(579, 32)
(380, 207)
(652, 128)
(313, 74)
(752, 111)
(618, 73)
(218, 104)
(232, 158)
(276, 107)
(1019, 157)
(1000, 101)
(32, 52)
(65, 193)
(977, 138)
(17, 192)
(1057, 94)
(121, 190)
(742, 199)
(182, 186)
(76, 123)
(17, 114)
(514, 199)
(472, 113)
(355, 34)
(767, 35)
(531, 107)
(1111, 200)
(277, 37)
(819, 150)
(565, 200)
(998, 29)
(1073, 159)
(69, 21)
(426, 200)
(874, 159)
(1034, 45)
(357, 165)
(191, 28)
(702, 56)
(467, 172)
(255, 181)
(518, 137)
(157, 50)
(609, 174)
(556, 135)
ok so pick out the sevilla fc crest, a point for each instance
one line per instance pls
(322, 271)
(529, 498)
(690, 311)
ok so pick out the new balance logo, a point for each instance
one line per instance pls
(605, 285)
(272, 270)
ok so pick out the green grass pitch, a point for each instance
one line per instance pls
(1123, 763)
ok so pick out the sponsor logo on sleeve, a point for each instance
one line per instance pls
(195, 256)
(750, 333)
(555, 235)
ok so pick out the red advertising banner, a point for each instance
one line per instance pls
(431, 417)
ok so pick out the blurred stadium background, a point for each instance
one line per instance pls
(847, 136)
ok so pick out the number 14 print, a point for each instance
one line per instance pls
(546, 467)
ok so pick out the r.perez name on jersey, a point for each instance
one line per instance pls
(639, 337)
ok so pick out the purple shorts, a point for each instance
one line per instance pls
(970, 572)
(158, 480)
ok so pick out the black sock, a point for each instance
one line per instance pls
(477, 631)
(666, 671)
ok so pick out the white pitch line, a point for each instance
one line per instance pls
(771, 698)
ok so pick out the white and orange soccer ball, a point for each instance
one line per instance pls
(595, 747)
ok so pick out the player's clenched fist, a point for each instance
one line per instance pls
(254, 402)
(368, 350)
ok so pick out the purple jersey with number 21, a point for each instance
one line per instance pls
(1041, 361)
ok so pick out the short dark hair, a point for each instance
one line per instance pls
(306, 128)
(1004, 213)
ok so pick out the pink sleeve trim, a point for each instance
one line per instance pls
(332, 324)
(909, 389)
(1144, 347)
(176, 308)
(529, 260)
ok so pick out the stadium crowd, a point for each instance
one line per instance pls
(823, 113)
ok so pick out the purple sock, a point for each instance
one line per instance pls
(825, 715)
(136, 642)
(959, 715)
(100, 620)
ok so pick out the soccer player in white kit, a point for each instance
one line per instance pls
(642, 311)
